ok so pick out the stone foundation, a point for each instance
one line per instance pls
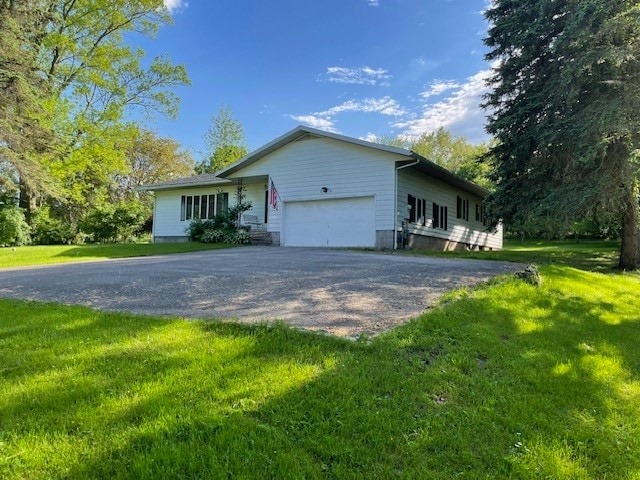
(384, 239)
(422, 242)
(180, 239)
(275, 238)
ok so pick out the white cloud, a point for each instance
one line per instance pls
(459, 112)
(315, 121)
(325, 119)
(373, 3)
(370, 137)
(438, 87)
(359, 76)
(384, 106)
(174, 5)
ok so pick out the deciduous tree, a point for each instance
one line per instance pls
(225, 142)
(150, 159)
(455, 153)
(86, 80)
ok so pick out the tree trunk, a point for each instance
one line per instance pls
(630, 248)
(27, 201)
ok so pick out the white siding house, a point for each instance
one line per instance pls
(332, 190)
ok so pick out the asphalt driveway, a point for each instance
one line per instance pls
(335, 291)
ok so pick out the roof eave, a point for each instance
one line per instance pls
(178, 186)
(441, 173)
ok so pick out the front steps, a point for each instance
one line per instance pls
(260, 237)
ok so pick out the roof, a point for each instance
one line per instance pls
(296, 134)
(184, 182)
(424, 165)
(416, 162)
(436, 171)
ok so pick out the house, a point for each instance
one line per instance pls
(315, 188)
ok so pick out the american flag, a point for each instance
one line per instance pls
(273, 196)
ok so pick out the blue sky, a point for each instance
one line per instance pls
(357, 67)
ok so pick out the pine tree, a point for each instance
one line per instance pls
(566, 92)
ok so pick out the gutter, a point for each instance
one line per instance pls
(395, 203)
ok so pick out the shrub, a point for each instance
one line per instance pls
(237, 237)
(212, 236)
(198, 227)
(13, 227)
(49, 230)
(113, 223)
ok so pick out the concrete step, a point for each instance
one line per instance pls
(260, 238)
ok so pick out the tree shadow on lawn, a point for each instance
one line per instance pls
(127, 250)
(550, 394)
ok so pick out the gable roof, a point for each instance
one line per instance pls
(416, 162)
(420, 163)
(297, 133)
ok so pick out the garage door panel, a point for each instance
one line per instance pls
(346, 222)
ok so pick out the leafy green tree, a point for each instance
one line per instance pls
(225, 142)
(97, 79)
(85, 79)
(455, 153)
(13, 228)
(113, 223)
(150, 159)
(566, 92)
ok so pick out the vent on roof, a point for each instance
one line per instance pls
(306, 136)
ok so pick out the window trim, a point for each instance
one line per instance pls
(203, 206)
(418, 210)
(462, 208)
(440, 215)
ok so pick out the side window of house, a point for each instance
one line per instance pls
(440, 216)
(202, 207)
(222, 199)
(462, 208)
(417, 210)
(480, 214)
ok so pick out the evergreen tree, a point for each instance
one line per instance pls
(566, 92)
(24, 134)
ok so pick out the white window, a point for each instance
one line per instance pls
(203, 207)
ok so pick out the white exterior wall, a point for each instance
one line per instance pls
(300, 170)
(434, 191)
(166, 221)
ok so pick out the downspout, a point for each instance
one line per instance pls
(395, 203)
(153, 218)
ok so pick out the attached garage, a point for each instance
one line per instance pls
(341, 222)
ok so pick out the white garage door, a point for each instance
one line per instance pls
(344, 222)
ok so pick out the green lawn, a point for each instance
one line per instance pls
(503, 381)
(594, 255)
(47, 254)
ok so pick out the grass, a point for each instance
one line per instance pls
(49, 254)
(503, 381)
(594, 255)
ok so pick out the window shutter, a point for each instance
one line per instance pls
(183, 208)
(436, 215)
(189, 207)
(411, 201)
